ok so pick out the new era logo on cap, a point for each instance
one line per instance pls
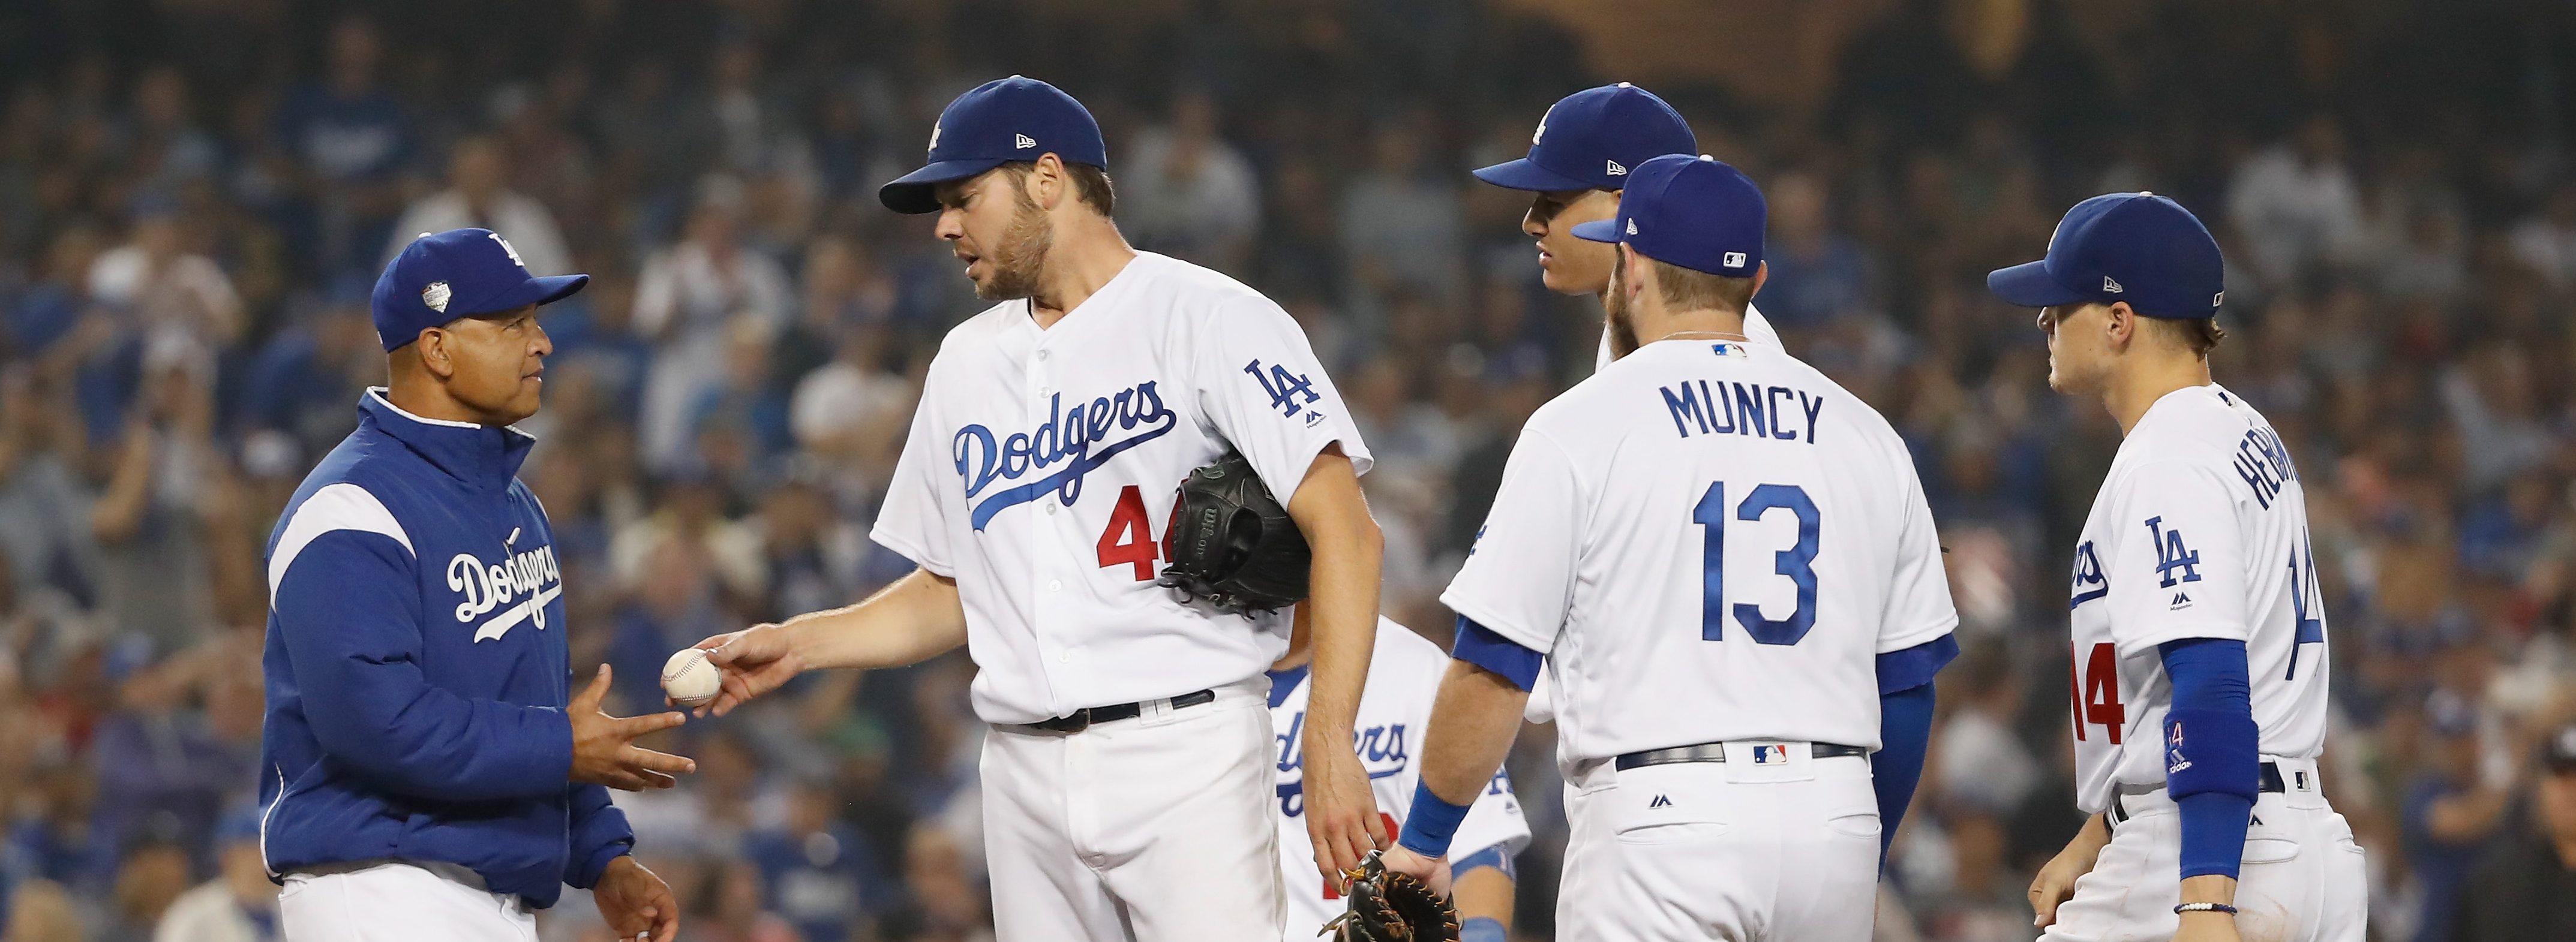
(1023, 141)
(1632, 227)
(1615, 170)
(2138, 249)
(1001, 121)
(2109, 285)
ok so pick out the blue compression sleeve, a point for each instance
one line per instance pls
(1905, 735)
(1905, 700)
(1480, 646)
(2211, 766)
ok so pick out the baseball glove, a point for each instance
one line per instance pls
(1232, 544)
(1391, 907)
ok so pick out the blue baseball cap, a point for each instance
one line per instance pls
(1016, 118)
(2136, 247)
(1695, 212)
(442, 276)
(1595, 139)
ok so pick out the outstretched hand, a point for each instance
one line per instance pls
(603, 746)
(750, 662)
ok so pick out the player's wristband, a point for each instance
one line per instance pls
(2205, 908)
(1483, 929)
(1431, 823)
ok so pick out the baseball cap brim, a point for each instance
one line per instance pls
(917, 192)
(1523, 174)
(2030, 285)
(540, 291)
(1598, 230)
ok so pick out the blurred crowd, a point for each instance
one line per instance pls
(195, 198)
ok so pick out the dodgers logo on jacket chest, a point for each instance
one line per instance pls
(519, 587)
(1070, 440)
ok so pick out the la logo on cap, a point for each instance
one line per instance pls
(934, 135)
(1023, 141)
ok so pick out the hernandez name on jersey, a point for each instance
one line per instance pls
(1404, 676)
(1737, 499)
(1040, 473)
(2200, 531)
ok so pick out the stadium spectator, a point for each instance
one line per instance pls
(2527, 888)
(477, 197)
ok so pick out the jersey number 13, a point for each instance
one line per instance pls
(1798, 562)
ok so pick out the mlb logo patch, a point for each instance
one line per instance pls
(1734, 260)
(1724, 349)
(1771, 754)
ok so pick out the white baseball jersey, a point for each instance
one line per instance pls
(2200, 531)
(1404, 676)
(1711, 541)
(1756, 327)
(1041, 469)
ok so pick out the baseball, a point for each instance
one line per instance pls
(689, 679)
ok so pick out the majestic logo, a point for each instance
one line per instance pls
(1078, 438)
(1660, 802)
(435, 295)
(1615, 170)
(530, 577)
(2180, 602)
(1734, 260)
(1023, 142)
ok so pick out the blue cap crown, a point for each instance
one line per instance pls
(1016, 118)
(2136, 247)
(1595, 139)
(1695, 212)
(443, 276)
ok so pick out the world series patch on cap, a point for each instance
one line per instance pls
(442, 276)
(1004, 120)
(2136, 247)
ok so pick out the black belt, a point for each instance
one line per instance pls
(2268, 782)
(1716, 752)
(1082, 719)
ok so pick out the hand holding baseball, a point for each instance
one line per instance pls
(751, 662)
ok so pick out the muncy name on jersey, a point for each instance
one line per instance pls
(1078, 438)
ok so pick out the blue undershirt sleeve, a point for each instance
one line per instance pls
(1480, 646)
(2212, 768)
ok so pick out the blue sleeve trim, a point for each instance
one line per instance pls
(1905, 737)
(1480, 646)
(1914, 666)
(1431, 823)
(1483, 929)
(2212, 766)
(600, 834)
(1489, 857)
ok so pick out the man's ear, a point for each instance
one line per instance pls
(1761, 273)
(433, 352)
(1046, 181)
(2121, 325)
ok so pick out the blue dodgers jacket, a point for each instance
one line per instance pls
(416, 667)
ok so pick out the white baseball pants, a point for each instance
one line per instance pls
(398, 902)
(2302, 879)
(1783, 849)
(1153, 829)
